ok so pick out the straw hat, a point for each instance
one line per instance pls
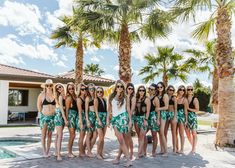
(47, 82)
(59, 84)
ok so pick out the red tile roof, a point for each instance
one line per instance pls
(86, 77)
(10, 70)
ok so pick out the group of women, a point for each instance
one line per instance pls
(83, 109)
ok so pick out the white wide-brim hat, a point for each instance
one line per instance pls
(47, 82)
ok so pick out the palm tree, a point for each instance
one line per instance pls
(93, 69)
(205, 61)
(221, 21)
(165, 62)
(72, 35)
(124, 22)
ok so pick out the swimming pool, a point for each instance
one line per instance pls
(16, 142)
(5, 154)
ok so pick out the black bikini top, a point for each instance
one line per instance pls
(91, 103)
(140, 108)
(152, 107)
(102, 107)
(83, 103)
(74, 105)
(171, 101)
(191, 105)
(180, 106)
(45, 102)
(162, 104)
(63, 102)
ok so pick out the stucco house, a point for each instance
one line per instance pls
(19, 89)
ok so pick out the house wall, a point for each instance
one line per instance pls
(32, 100)
(4, 85)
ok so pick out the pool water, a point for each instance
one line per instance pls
(15, 142)
(4, 154)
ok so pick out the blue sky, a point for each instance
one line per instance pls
(26, 25)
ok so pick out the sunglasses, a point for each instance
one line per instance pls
(59, 87)
(71, 88)
(141, 90)
(151, 89)
(120, 86)
(83, 89)
(159, 87)
(49, 86)
(172, 90)
(130, 88)
(91, 89)
(182, 90)
(98, 92)
(189, 89)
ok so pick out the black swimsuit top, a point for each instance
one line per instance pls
(171, 101)
(102, 107)
(45, 102)
(180, 106)
(152, 107)
(162, 104)
(191, 105)
(91, 103)
(74, 105)
(140, 108)
(63, 102)
(83, 103)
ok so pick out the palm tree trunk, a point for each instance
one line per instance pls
(215, 84)
(125, 54)
(225, 134)
(165, 79)
(79, 62)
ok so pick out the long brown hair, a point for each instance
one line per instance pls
(88, 93)
(79, 88)
(138, 95)
(67, 88)
(187, 90)
(164, 89)
(122, 96)
(57, 93)
(180, 87)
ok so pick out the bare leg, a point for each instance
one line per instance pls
(100, 143)
(123, 146)
(181, 132)
(155, 141)
(166, 129)
(81, 144)
(71, 140)
(88, 144)
(177, 139)
(43, 140)
(162, 137)
(49, 137)
(189, 136)
(194, 134)
(173, 133)
(141, 151)
(93, 139)
(59, 135)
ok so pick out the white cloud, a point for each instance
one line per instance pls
(95, 58)
(61, 64)
(116, 67)
(12, 51)
(24, 17)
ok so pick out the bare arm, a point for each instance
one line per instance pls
(109, 110)
(39, 102)
(62, 108)
(186, 109)
(133, 104)
(96, 108)
(157, 104)
(196, 105)
(79, 106)
(128, 108)
(87, 109)
(67, 106)
(175, 107)
(166, 102)
(148, 104)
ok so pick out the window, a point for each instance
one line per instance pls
(18, 97)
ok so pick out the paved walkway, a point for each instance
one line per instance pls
(206, 155)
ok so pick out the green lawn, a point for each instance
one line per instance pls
(205, 123)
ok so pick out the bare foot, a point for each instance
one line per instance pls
(99, 157)
(164, 155)
(71, 155)
(82, 155)
(116, 161)
(59, 158)
(128, 163)
(154, 154)
(90, 155)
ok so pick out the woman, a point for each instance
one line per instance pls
(46, 107)
(90, 119)
(191, 129)
(182, 117)
(71, 114)
(117, 106)
(142, 111)
(163, 107)
(171, 116)
(60, 118)
(81, 119)
(100, 105)
(154, 117)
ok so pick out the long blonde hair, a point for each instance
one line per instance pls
(57, 94)
(122, 96)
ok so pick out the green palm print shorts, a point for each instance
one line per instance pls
(59, 121)
(121, 122)
(152, 121)
(47, 120)
(83, 123)
(92, 119)
(72, 118)
(180, 116)
(192, 121)
(103, 119)
(140, 122)
(169, 115)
